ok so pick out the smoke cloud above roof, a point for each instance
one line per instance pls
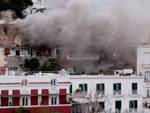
(86, 27)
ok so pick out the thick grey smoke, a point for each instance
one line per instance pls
(84, 27)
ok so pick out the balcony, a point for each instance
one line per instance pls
(81, 94)
(133, 110)
(134, 92)
(100, 93)
(117, 92)
(117, 111)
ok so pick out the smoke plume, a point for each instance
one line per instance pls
(111, 28)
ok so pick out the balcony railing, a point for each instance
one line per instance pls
(117, 92)
(102, 93)
(134, 92)
(117, 111)
(81, 94)
(134, 110)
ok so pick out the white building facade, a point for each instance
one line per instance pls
(34, 91)
(114, 93)
(143, 69)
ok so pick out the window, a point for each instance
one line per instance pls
(53, 82)
(53, 100)
(101, 106)
(24, 101)
(118, 106)
(100, 88)
(117, 88)
(4, 98)
(148, 93)
(45, 97)
(17, 52)
(134, 88)
(13, 68)
(133, 105)
(83, 87)
(147, 76)
(34, 97)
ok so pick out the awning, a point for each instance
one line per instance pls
(45, 92)
(16, 92)
(62, 91)
(4, 92)
(34, 91)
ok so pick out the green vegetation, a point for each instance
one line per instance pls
(16, 5)
(32, 64)
(49, 65)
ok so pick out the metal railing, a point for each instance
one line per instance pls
(134, 92)
(117, 92)
(81, 94)
(132, 110)
(117, 111)
(102, 93)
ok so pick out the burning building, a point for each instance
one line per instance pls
(80, 29)
(14, 50)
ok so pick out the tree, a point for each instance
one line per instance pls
(32, 64)
(16, 5)
(50, 65)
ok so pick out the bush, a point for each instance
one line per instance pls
(78, 90)
(50, 65)
(32, 64)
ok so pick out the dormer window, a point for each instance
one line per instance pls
(53, 82)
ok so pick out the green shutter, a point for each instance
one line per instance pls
(81, 87)
(70, 89)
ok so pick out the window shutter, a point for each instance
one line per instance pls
(119, 86)
(114, 87)
(70, 89)
(97, 87)
(85, 87)
(81, 87)
(103, 87)
(136, 105)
